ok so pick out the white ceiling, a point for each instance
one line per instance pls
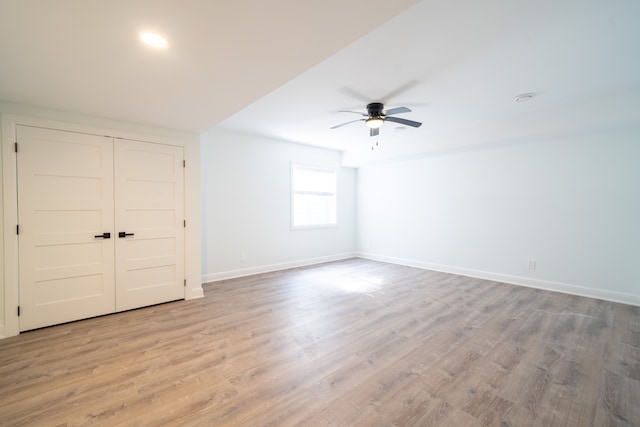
(283, 68)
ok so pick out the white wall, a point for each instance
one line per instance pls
(246, 206)
(2, 225)
(572, 205)
(13, 113)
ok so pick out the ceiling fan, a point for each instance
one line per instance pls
(376, 115)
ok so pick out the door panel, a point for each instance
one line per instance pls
(65, 187)
(149, 188)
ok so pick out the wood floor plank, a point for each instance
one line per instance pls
(349, 343)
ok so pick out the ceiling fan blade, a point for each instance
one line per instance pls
(400, 90)
(355, 94)
(398, 110)
(374, 132)
(349, 111)
(403, 121)
(343, 124)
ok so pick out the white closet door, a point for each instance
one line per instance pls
(65, 200)
(149, 188)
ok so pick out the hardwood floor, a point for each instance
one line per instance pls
(351, 343)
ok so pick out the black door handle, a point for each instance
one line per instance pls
(123, 234)
(103, 236)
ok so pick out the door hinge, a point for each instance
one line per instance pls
(18, 229)
(184, 223)
(18, 311)
(15, 147)
(184, 163)
(185, 283)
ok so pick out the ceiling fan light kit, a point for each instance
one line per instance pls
(376, 115)
(375, 122)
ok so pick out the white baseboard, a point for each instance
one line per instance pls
(564, 288)
(232, 274)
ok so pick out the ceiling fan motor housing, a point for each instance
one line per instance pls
(375, 109)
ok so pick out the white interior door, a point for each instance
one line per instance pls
(65, 204)
(149, 188)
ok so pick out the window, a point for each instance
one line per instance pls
(313, 196)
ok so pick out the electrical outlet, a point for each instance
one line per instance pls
(532, 264)
(243, 256)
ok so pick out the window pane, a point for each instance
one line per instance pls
(313, 196)
(313, 210)
(309, 180)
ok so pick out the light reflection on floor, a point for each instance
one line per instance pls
(364, 283)
(318, 323)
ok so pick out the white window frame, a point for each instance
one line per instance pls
(334, 195)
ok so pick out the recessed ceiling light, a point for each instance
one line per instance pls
(524, 97)
(153, 39)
